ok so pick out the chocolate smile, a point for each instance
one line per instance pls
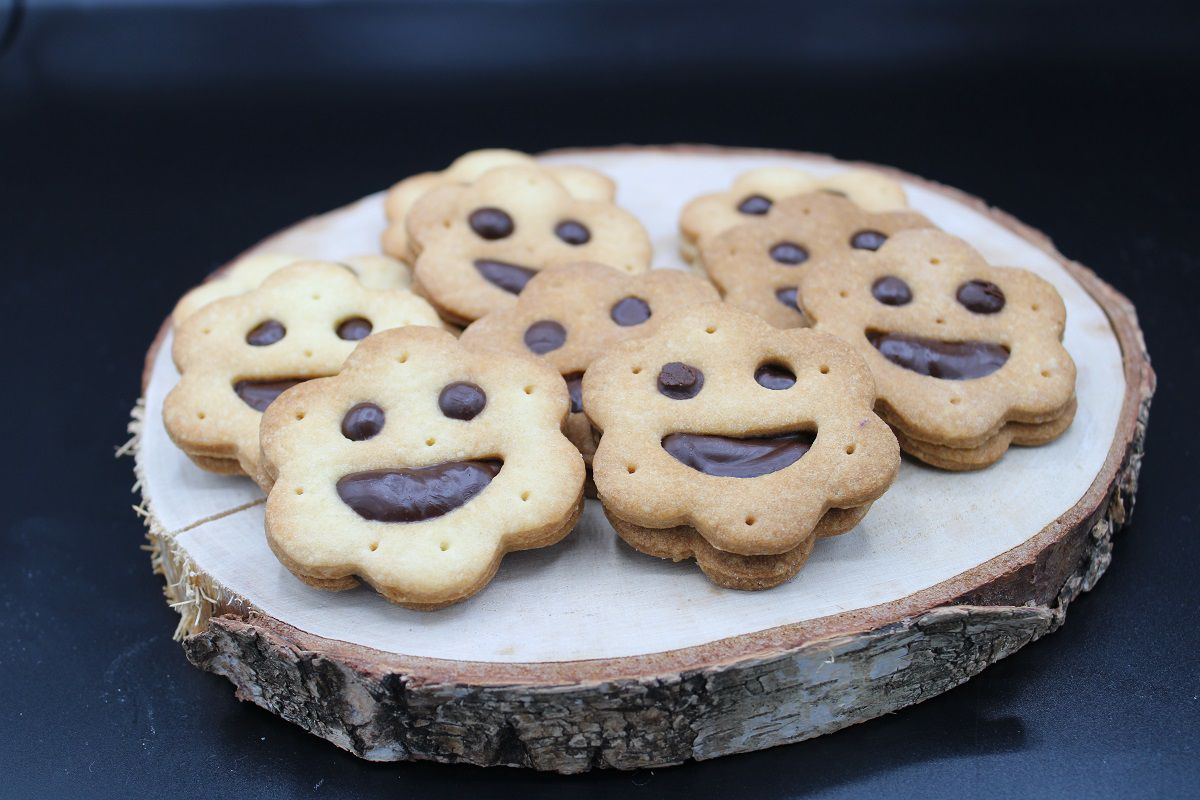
(509, 277)
(260, 394)
(416, 494)
(734, 457)
(952, 361)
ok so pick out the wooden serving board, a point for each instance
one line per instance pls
(588, 654)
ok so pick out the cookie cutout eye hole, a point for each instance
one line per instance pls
(891, 291)
(787, 296)
(545, 335)
(265, 333)
(491, 223)
(789, 253)
(981, 297)
(572, 232)
(354, 329)
(461, 400)
(680, 381)
(775, 376)
(362, 422)
(755, 204)
(868, 240)
(630, 311)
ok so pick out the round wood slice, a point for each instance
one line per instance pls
(588, 654)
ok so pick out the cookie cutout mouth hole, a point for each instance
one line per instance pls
(260, 394)
(416, 494)
(935, 358)
(509, 277)
(738, 457)
(575, 390)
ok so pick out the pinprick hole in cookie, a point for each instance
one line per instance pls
(940, 321)
(430, 442)
(637, 370)
(824, 369)
(955, 401)
(710, 329)
(308, 353)
(525, 496)
(935, 261)
(299, 490)
(299, 415)
(316, 297)
(843, 293)
(1045, 373)
(750, 520)
(528, 390)
(631, 468)
(402, 358)
(200, 415)
(850, 449)
(373, 546)
(207, 331)
(444, 546)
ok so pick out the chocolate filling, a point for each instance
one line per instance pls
(953, 361)
(509, 277)
(260, 394)
(575, 389)
(734, 457)
(461, 400)
(420, 493)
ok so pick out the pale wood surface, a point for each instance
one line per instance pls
(1033, 529)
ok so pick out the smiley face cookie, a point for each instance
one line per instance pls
(581, 182)
(757, 265)
(735, 443)
(967, 357)
(479, 245)
(237, 354)
(417, 467)
(755, 192)
(248, 272)
(571, 315)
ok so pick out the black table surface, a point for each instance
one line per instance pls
(142, 146)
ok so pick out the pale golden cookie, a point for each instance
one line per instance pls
(754, 193)
(236, 354)
(758, 264)
(755, 439)
(573, 314)
(479, 245)
(248, 272)
(581, 182)
(967, 357)
(417, 467)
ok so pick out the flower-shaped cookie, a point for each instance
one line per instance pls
(736, 443)
(754, 193)
(757, 264)
(417, 467)
(248, 272)
(237, 354)
(573, 314)
(581, 182)
(479, 245)
(967, 357)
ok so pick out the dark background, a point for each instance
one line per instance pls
(141, 146)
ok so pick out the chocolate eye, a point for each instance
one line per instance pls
(981, 297)
(891, 291)
(789, 253)
(787, 296)
(265, 333)
(362, 422)
(867, 240)
(680, 381)
(630, 311)
(545, 335)
(775, 376)
(572, 232)
(491, 223)
(755, 204)
(354, 329)
(461, 400)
